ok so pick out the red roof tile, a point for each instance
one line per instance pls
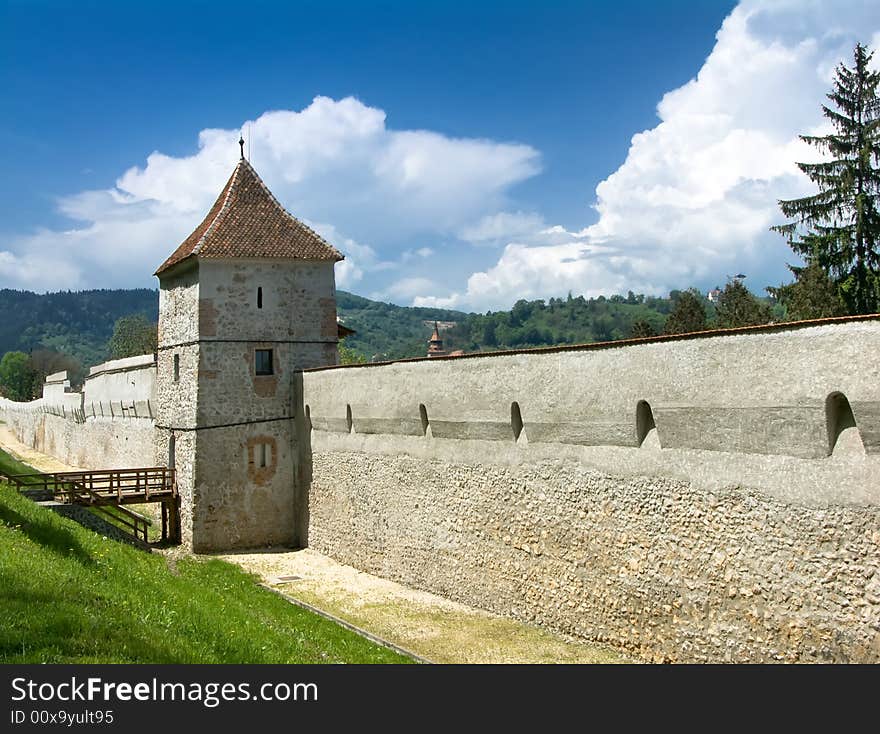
(247, 221)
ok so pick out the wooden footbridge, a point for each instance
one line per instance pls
(112, 488)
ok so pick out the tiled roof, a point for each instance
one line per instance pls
(247, 221)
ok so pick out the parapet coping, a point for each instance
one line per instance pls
(125, 364)
(761, 329)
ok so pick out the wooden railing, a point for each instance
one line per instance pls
(106, 488)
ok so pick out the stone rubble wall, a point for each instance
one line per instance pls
(108, 426)
(741, 526)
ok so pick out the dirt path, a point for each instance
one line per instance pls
(431, 626)
(39, 461)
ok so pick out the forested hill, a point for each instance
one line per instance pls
(385, 331)
(76, 323)
(571, 320)
(80, 323)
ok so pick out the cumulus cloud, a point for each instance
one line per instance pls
(334, 162)
(405, 289)
(697, 193)
(502, 227)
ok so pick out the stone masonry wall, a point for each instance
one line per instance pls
(107, 426)
(233, 428)
(736, 518)
(656, 566)
(95, 443)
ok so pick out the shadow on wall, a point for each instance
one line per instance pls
(844, 438)
(303, 457)
(516, 422)
(646, 429)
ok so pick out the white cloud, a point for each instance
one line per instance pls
(334, 162)
(697, 193)
(501, 227)
(404, 289)
(410, 255)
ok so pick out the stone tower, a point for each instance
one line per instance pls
(244, 302)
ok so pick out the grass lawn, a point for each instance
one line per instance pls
(69, 596)
(13, 466)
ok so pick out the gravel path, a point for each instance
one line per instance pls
(40, 462)
(435, 628)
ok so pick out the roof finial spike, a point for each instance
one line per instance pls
(241, 145)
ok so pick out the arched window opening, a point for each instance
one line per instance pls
(348, 421)
(646, 429)
(264, 452)
(423, 414)
(516, 421)
(843, 433)
(260, 297)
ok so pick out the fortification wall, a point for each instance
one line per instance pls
(686, 500)
(127, 381)
(58, 393)
(109, 425)
(90, 443)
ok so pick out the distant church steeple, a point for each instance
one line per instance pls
(435, 346)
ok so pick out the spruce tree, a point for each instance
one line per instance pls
(839, 227)
(813, 295)
(687, 315)
(641, 328)
(738, 307)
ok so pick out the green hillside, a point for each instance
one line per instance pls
(560, 321)
(69, 595)
(385, 331)
(80, 323)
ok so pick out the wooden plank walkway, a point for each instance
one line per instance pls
(105, 488)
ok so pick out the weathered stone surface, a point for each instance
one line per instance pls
(653, 565)
(735, 519)
(220, 412)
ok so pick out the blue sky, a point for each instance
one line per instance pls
(452, 150)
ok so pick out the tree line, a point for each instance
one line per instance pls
(22, 375)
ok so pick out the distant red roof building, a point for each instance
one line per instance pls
(247, 221)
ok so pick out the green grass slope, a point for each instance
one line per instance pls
(69, 596)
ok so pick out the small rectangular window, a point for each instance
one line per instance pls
(263, 362)
(260, 297)
(177, 368)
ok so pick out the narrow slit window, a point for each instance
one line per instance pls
(348, 420)
(264, 454)
(263, 362)
(260, 297)
(177, 368)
